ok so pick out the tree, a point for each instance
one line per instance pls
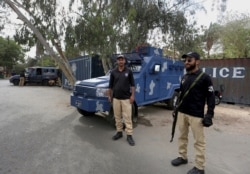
(10, 53)
(46, 61)
(42, 16)
(182, 36)
(235, 35)
(94, 31)
(103, 27)
(107, 27)
(211, 36)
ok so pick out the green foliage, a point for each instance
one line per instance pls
(10, 53)
(231, 36)
(211, 36)
(46, 61)
(102, 25)
(47, 18)
(31, 62)
(18, 68)
(42, 17)
(94, 31)
(183, 37)
(235, 36)
(105, 27)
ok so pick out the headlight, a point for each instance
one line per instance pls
(102, 92)
(76, 83)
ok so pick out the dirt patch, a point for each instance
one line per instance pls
(232, 118)
(155, 115)
(228, 117)
(144, 121)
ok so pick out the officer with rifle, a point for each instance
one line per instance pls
(196, 90)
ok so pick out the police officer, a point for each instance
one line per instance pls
(121, 93)
(191, 112)
(22, 78)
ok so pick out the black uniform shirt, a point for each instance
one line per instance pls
(201, 93)
(120, 82)
(22, 74)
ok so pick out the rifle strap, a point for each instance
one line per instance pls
(191, 86)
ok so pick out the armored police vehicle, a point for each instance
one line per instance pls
(157, 79)
(37, 75)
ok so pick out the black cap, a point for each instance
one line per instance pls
(120, 56)
(192, 54)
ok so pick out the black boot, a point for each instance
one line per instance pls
(196, 171)
(178, 161)
(117, 136)
(130, 140)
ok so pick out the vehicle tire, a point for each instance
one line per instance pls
(111, 117)
(217, 100)
(85, 113)
(172, 102)
(16, 82)
(134, 113)
(45, 82)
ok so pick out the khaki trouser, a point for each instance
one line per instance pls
(123, 112)
(21, 82)
(184, 121)
(59, 81)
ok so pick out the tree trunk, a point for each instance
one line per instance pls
(62, 62)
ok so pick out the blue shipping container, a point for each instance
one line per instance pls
(84, 67)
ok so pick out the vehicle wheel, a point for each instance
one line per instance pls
(172, 102)
(15, 82)
(110, 117)
(85, 113)
(134, 113)
(217, 100)
(45, 82)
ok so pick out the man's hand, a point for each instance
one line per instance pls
(207, 121)
(174, 113)
(110, 99)
(132, 99)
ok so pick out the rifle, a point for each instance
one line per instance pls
(175, 113)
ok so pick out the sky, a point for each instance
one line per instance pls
(202, 17)
(212, 16)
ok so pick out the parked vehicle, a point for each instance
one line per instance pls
(37, 75)
(157, 79)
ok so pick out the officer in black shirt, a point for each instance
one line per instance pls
(121, 93)
(191, 112)
(22, 78)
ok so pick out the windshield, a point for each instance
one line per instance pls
(28, 70)
(135, 67)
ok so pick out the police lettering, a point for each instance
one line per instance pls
(224, 72)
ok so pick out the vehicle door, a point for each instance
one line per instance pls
(38, 76)
(31, 75)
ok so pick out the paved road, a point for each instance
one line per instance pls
(40, 133)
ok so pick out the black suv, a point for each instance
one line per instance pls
(37, 75)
